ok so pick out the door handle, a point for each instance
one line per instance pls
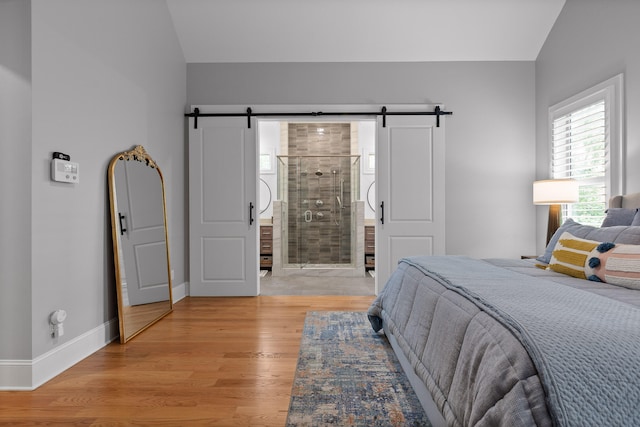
(382, 212)
(250, 213)
(122, 229)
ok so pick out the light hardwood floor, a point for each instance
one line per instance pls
(212, 362)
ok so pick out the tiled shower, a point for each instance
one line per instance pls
(318, 188)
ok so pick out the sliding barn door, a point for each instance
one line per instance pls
(223, 219)
(409, 191)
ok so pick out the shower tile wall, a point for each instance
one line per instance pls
(325, 240)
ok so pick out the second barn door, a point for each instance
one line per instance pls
(410, 191)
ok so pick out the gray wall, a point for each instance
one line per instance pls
(591, 41)
(105, 75)
(15, 179)
(490, 138)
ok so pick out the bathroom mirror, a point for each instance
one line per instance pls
(140, 241)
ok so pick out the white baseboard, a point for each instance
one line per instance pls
(179, 292)
(15, 375)
(31, 374)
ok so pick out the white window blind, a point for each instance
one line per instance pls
(580, 151)
(586, 145)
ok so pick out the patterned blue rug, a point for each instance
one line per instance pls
(348, 375)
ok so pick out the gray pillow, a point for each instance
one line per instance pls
(636, 219)
(619, 216)
(629, 235)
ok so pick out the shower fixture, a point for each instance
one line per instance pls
(308, 216)
(319, 203)
(319, 172)
(337, 196)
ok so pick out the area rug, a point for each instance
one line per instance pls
(348, 375)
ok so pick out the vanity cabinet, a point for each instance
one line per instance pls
(369, 247)
(266, 246)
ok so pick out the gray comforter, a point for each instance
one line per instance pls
(496, 347)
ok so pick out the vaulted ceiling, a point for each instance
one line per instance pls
(362, 30)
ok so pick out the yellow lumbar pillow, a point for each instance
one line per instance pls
(571, 254)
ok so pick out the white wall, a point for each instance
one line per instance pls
(367, 144)
(106, 75)
(591, 41)
(269, 135)
(15, 180)
(490, 138)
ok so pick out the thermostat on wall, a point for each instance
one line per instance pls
(65, 171)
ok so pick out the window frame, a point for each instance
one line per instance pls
(611, 91)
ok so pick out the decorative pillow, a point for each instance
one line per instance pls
(619, 216)
(629, 235)
(571, 254)
(570, 226)
(636, 219)
(616, 234)
(616, 264)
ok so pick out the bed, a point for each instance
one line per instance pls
(510, 342)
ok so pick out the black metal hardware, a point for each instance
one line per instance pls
(249, 113)
(122, 229)
(196, 113)
(250, 213)
(381, 212)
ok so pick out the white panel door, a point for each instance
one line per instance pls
(410, 191)
(223, 219)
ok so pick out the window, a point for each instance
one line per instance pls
(267, 162)
(586, 145)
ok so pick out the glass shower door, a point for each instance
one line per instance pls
(305, 214)
(319, 225)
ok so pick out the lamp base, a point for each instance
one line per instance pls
(554, 221)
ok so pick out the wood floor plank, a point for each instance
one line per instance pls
(212, 362)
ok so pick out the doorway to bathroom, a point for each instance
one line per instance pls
(313, 206)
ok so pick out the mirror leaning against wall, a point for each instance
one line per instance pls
(140, 241)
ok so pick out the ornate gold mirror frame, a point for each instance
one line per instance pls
(140, 241)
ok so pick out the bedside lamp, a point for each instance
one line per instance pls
(554, 192)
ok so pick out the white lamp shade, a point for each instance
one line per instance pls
(555, 191)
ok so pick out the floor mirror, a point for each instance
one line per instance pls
(140, 241)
